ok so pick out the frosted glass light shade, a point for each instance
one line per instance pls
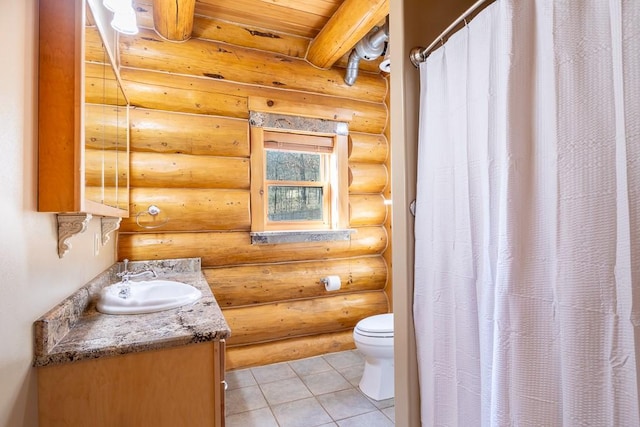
(124, 21)
(116, 5)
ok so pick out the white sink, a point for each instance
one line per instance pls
(147, 297)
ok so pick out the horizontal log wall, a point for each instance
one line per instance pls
(240, 286)
(190, 156)
(307, 317)
(288, 349)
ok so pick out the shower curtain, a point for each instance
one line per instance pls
(527, 227)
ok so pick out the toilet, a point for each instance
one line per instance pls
(374, 339)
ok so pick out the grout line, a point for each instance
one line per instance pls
(313, 395)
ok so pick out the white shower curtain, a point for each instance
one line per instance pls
(527, 271)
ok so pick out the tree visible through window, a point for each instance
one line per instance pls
(295, 185)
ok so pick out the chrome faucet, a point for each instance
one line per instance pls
(125, 275)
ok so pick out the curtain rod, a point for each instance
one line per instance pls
(419, 54)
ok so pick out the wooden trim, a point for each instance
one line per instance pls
(219, 383)
(257, 179)
(342, 157)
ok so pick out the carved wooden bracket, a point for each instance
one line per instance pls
(70, 224)
(107, 226)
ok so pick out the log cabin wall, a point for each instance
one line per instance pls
(190, 156)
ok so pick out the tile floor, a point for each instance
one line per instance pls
(318, 391)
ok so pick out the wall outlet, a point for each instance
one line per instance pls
(96, 244)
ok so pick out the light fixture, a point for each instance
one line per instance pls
(124, 16)
(385, 65)
(116, 5)
(124, 21)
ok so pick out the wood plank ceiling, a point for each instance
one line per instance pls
(302, 18)
(326, 30)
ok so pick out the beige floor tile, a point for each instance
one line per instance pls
(390, 412)
(326, 382)
(353, 373)
(301, 413)
(345, 404)
(271, 373)
(239, 379)
(370, 419)
(244, 399)
(381, 404)
(343, 359)
(285, 391)
(312, 365)
(318, 391)
(256, 418)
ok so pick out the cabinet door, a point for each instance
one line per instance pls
(169, 387)
(82, 115)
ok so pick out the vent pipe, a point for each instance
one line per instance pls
(369, 48)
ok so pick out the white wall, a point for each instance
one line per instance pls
(33, 278)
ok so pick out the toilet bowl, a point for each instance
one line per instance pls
(374, 339)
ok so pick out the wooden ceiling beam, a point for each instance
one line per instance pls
(351, 22)
(173, 19)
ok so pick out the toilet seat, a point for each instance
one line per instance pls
(379, 326)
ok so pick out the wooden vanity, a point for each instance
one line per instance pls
(181, 386)
(156, 369)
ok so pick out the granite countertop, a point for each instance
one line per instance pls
(74, 330)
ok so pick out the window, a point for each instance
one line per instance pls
(298, 180)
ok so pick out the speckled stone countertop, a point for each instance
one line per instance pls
(74, 330)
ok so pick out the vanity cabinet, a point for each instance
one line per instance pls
(178, 386)
(83, 163)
